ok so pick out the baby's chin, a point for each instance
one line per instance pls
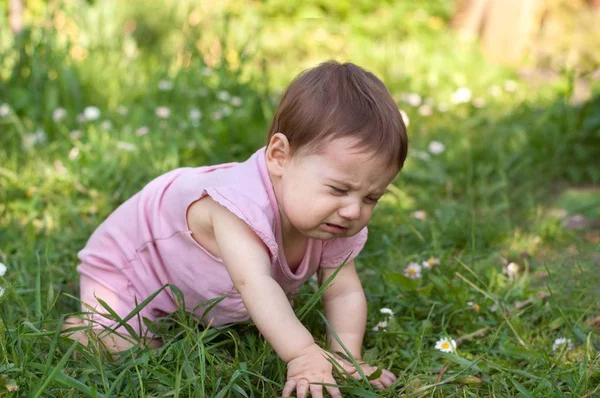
(319, 234)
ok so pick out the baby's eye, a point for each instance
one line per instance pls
(338, 191)
(372, 200)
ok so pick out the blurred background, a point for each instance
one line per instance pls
(501, 99)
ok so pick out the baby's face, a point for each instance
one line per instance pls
(333, 193)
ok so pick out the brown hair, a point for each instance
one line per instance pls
(336, 100)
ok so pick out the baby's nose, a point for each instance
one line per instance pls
(351, 211)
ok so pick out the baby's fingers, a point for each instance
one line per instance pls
(333, 391)
(288, 388)
(302, 388)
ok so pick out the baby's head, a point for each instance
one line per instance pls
(335, 143)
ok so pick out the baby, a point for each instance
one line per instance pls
(255, 231)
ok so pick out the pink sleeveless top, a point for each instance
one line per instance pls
(148, 239)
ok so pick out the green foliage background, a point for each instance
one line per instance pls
(520, 160)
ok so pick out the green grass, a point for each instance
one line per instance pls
(488, 196)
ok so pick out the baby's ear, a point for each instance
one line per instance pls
(277, 153)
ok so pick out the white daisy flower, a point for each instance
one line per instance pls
(426, 110)
(429, 264)
(31, 140)
(122, 110)
(165, 85)
(217, 115)
(510, 86)
(413, 271)
(405, 118)
(380, 325)
(512, 269)
(163, 112)
(412, 99)
(59, 114)
(478, 102)
(436, 147)
(445, 345)
(226, 110)
(236, 101)
(142, 131)
(386, 311)
(560, 342)
(461, 96)
(223, 95)
(195, 114)
(106, 125)
(420, 154)
(420, 215)
(74, 153)
(4, 110)
(2, 269)
(91, 113)
(126, 146)
(495, 91)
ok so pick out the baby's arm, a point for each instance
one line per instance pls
(346, 310)
(247, 261)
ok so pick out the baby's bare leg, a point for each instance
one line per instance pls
(114, 342)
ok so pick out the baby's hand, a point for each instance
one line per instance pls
(312, 366)
(385, 379)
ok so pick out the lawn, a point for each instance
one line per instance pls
(489, 236)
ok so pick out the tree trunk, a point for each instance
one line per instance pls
(507, 28)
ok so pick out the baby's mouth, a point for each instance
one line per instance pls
(336, 226)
